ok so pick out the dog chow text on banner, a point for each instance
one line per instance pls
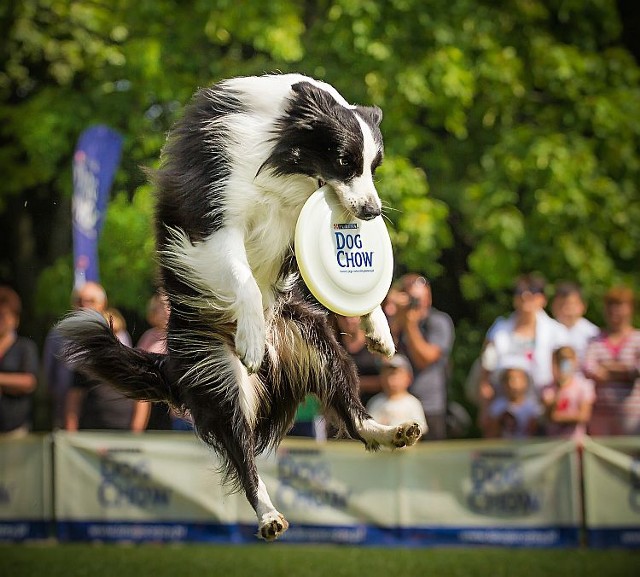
(151, 487)
(475, 493)
(161, 487)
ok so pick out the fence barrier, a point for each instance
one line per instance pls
(164, 487)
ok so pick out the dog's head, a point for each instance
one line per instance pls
(333, 143)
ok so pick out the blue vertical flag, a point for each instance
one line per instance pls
(95, 162)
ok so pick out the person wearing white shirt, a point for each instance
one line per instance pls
(528, 333)
(395, 404)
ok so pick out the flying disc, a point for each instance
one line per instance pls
(346, 262)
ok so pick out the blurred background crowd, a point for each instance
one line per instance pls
(537, 374)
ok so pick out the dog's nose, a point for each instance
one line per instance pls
(369, 211)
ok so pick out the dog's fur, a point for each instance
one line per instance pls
(246, 343)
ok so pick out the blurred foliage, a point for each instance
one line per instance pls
(512, 129)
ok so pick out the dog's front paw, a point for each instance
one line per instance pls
(378, 334)
(250, 345)
(407, 434)
(272, 526)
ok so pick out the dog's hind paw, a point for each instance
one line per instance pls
(407, 434)
(272, 526)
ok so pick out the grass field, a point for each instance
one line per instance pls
(266, 560)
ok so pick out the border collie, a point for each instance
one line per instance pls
(245, 341)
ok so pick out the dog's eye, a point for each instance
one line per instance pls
(342, 161)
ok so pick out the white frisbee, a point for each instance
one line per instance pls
(346, 263)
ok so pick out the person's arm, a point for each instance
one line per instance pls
(73, 405)
(17, 383)
(24, 379)
(140, 419)
(490, 427)
(581, 415)
(422, 352)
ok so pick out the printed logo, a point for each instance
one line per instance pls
(85, 201)
(350, 253)
(124, 484)
(306, 481)
(498, 487)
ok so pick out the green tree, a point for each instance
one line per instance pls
(512, 131)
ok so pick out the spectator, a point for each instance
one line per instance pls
(57, 374)
(568, 308)
(154, 340)
(514, 412)
(94, 405)
(569, 399)
(425, 336)
(612, 360)
(352, 337)
(18, 369)
(528, 334)
(114, 316)
(395, 404)
(309, 421)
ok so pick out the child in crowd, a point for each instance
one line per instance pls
(514, 412)
(569, 399)
(569, 307)
(395, 404)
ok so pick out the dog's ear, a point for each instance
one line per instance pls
(371, 114)
(311, 103)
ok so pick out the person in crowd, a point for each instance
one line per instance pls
(353, 339)
(119, 324)
(18, 369)
(91, 404)
(425, 335)
(154, 340)
(57, 374)
(514, 412)
(395, 404)
(568, 401)
(309, 421)
(527, 333)
(612, 361)
(568, 308)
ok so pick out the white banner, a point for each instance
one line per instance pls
(612, 491)
(118, 486)
(449, 492)
(25, 488)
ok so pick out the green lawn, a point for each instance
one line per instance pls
(265, 560)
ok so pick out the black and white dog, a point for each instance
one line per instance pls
(245, 342)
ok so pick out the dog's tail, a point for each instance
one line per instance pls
(92, 349)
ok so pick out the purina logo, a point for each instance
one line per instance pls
(345, 226)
